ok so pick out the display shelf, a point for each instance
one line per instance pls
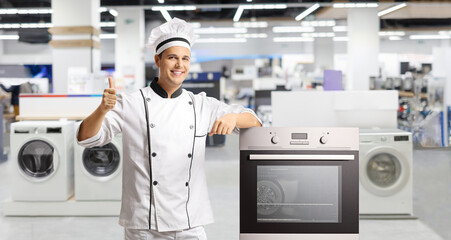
(410, 94)
(70, 207)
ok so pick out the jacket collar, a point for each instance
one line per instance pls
(161, 92)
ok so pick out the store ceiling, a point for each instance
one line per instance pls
(413, 16)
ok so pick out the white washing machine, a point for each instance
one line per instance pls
(42, 153)
(98, 171)
(386, 172)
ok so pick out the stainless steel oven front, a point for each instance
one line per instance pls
(299, 183)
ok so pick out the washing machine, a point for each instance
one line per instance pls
(98, 171)
(42, 154)
(386, 172)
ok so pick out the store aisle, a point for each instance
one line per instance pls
(432, 186)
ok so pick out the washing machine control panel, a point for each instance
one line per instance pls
(299, 138)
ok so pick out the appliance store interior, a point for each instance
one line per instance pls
(352, 96)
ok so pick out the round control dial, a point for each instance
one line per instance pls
(275, 139)
(323, 140)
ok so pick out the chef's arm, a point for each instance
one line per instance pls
(246, 120)
(91, 125)
(227, 123)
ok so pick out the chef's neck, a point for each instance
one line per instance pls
(169, 88)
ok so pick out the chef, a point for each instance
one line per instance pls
(164, 129)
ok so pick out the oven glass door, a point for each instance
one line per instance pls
(298, 194)
(288, 192)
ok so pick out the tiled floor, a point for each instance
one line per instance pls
(432, 191)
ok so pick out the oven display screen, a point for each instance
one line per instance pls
(299, 136)
(298, 194)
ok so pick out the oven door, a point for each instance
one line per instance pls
(299, 192)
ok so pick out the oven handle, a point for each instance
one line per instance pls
(299, 157)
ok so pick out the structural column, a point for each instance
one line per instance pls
(363, 47)
(324, 53)
(75, 40)
(129, 48)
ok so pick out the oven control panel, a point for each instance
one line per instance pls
(299, 138)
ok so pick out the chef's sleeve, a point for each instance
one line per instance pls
(220, 109)
(111, 125)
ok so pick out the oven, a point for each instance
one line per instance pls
(299, 183)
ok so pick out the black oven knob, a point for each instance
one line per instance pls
(323, 140)
(275, 139)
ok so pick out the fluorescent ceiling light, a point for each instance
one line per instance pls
(241, 8)
(108, 36)
(355, 5)
(307, 12)
(221, 40)
(36, 25)
(252, 35)
(9, 37)
(214, 30)
(248, 0)
(238, 13)
(320, 23)
(160, 1)
(107, 24)
(25, 11)
(392, 33)
(113, 12)
(293, 39)
(340, 39)
(319, 34)
(166, 15)
(264, 6)
(429, 37)
(251, 24)
(392, 9)
(395, 38)
(174, 8)
(103, 9)
(195, 24)
(25, 25)
(339, 28)
(292, 29)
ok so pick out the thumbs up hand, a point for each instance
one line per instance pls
(109, 97)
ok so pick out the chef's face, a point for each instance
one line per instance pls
(174, 65)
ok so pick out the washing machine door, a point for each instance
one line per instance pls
(101, 161)
(36, 159)
(384, 171)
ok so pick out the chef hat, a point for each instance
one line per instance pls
(175, 32)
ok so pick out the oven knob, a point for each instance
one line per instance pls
(275, 139)
(323, 140)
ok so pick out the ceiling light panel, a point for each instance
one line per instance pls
(318, 34)
(292, 29)
(392, 9)
(25, 11)
(224, 30)
(428, 37)
(221, 40)
(355, 5)
(252, 35)
(392, 33)
(251, 24)
(307, 12)
(321, 23)
(339, 29)
(293, 39)
(174, 8)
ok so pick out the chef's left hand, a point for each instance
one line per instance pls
(224, 125)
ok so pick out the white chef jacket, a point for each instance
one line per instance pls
(166, 191)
